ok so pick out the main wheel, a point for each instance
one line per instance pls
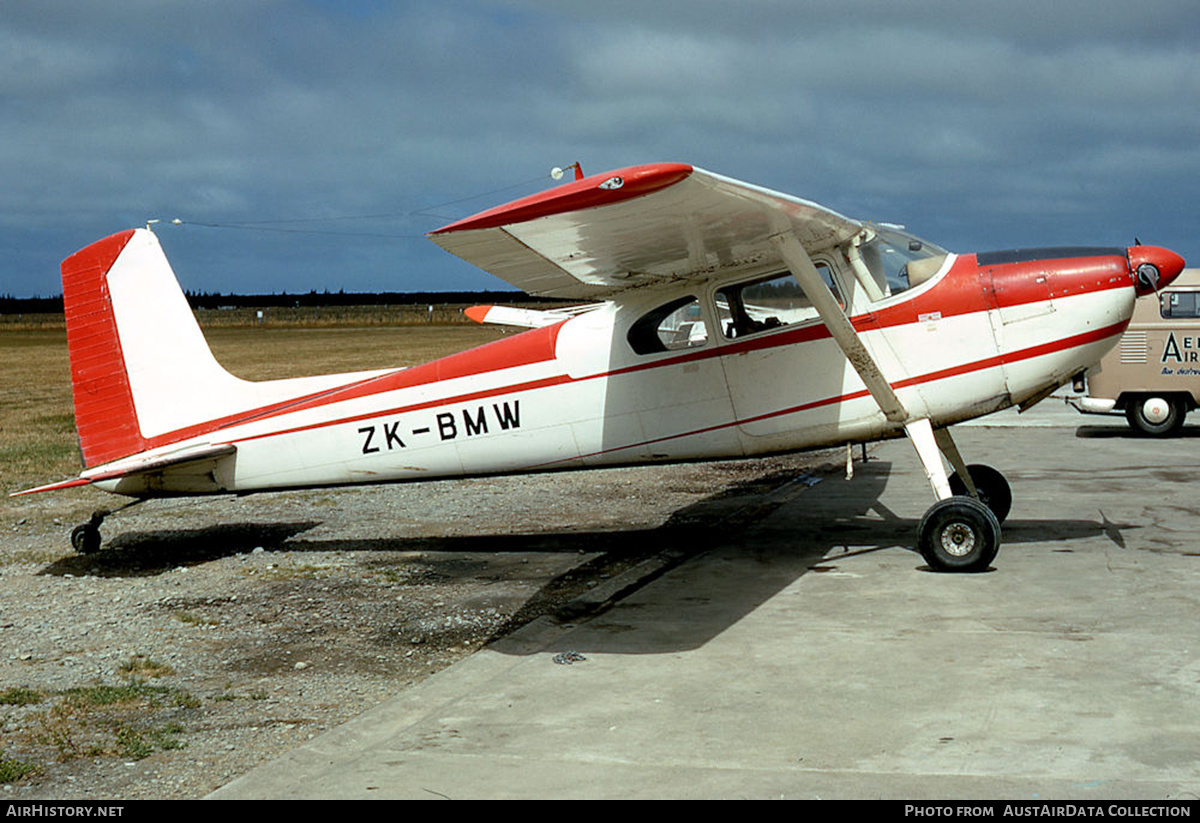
(959, 534)
(1154, 415)
(993, 489)
(85, 538)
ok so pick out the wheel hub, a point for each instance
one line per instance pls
(1156, 410)
(958, 539)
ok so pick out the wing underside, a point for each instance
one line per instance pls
(637, 226)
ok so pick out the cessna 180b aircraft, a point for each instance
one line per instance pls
(724, 320)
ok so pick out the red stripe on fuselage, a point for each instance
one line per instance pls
(953, 371)
(959, 292)
(528, 348)
(932, 377)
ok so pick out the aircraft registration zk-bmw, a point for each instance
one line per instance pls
(722, 320)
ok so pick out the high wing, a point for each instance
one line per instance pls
(596, 237)
(655, 223)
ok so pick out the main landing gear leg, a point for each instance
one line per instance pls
(959, 532)
(984, 483)
(86, 538)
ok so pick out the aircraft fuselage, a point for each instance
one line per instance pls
(983, 334)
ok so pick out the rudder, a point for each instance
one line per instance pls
(105, 417)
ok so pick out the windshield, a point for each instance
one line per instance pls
(889, 252)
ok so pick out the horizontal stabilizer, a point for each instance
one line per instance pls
(525, 318)
(199, 460)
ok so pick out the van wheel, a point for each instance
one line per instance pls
(1154, 415)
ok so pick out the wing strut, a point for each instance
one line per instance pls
(930, 445)
(801, 266)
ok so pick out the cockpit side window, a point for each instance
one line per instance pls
(895, 260)
(669, 327)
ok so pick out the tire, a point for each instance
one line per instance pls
(959, 534)
(1154, 415)
(85, 539)
(994, 491)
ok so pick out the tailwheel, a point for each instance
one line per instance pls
(959, 534)
(85, 538)
(991, 486)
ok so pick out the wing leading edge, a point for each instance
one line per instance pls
(596, 237)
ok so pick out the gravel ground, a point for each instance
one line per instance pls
(210, 636)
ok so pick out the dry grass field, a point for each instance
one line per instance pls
(209, 636)
(37, 429)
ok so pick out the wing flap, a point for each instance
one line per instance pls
(645, 224)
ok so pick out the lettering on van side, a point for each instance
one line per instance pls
(1173, 353)
(465, 422)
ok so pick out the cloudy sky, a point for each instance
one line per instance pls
(310, 145)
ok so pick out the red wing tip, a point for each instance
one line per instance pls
(477, 313)
(597, 190)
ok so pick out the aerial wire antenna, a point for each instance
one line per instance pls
(556, 173)
(289, 226)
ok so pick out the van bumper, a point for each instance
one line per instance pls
(1093, 405)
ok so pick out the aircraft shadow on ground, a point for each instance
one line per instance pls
(829, 528)
(826, 524)
(143, 554)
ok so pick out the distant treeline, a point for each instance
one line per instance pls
(312, 299)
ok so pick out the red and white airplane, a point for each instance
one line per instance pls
(730, 321)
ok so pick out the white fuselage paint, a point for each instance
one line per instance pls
(596, 402)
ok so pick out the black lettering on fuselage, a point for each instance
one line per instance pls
(475, 421)
(508, 418)
(476, 426)
(446, 426)
(393, 437)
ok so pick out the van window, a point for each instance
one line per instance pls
(671, 326)
(1179, 304)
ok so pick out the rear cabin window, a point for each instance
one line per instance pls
(670, 327)
(1179, 304)
(769, 303)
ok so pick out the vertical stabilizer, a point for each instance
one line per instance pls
(142, 373)
(141, 370)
